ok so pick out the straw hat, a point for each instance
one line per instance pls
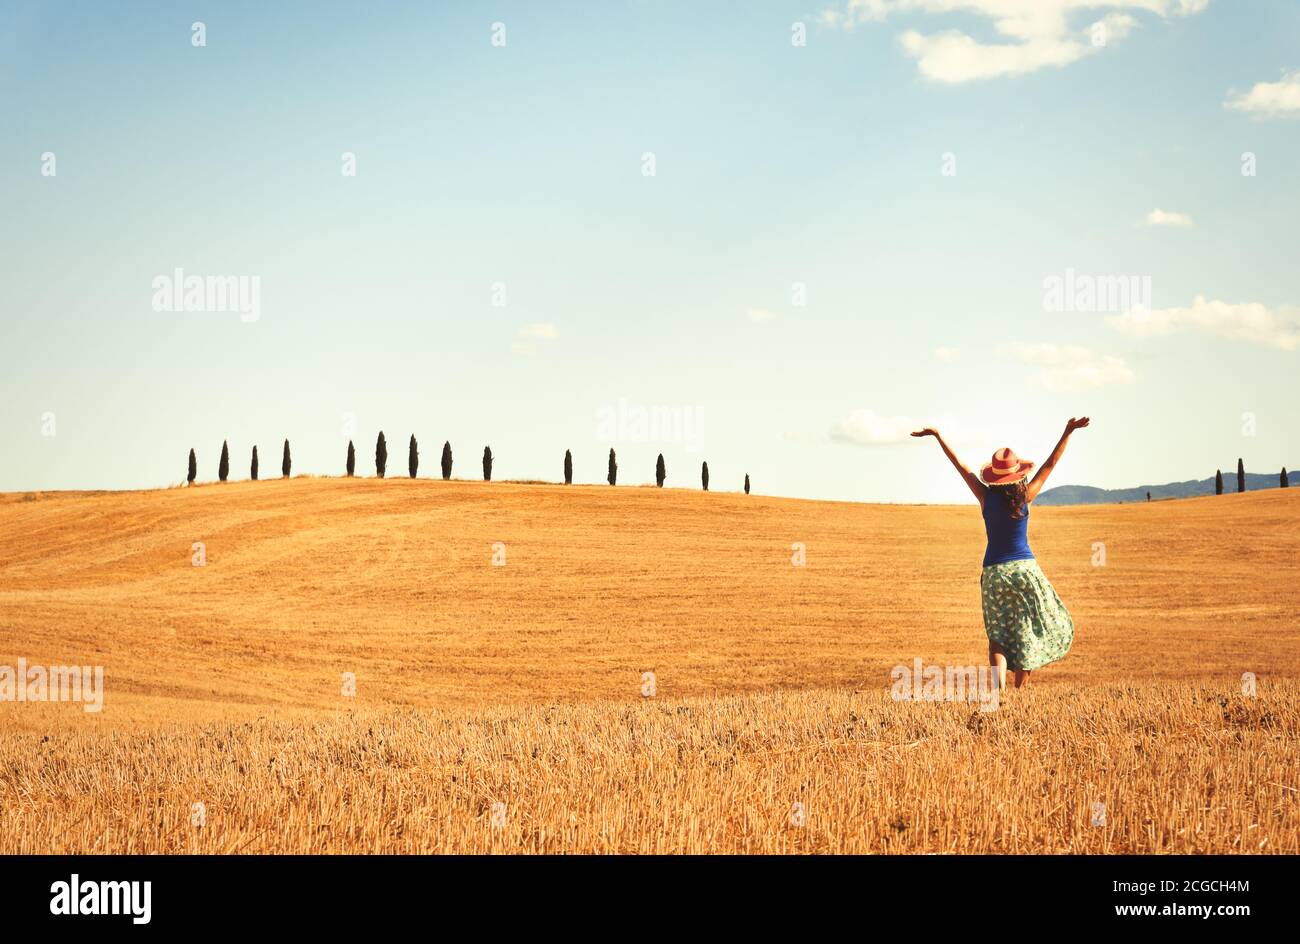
(1005, 468)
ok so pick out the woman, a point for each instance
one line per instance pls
(1027, 625)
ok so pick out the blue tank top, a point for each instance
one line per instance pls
(1008, 537)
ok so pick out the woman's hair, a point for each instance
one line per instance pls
(1016, 495)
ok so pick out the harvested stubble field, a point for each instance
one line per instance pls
(521, 684)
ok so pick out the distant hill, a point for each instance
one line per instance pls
(1088, 495)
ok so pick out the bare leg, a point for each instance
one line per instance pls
(998, 659)
(1022, 676)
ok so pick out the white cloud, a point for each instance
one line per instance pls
(529, 334)
(1159, 217)
(832, 18)
(759, 315)
(955, 57)
(1270, 99)
(544, 332)
(1245, 321)
(866, 428)
(1068, 367)
(1040, 33)
(949, 355)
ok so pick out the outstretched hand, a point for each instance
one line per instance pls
(927, 432)
(1073, 424)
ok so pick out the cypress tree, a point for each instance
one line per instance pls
(1218, 481)
(413, 457)
(746, 483)
(223, 464)
(1241, 476)
(704, 476)
(487, 463)
(252, 469)
(286, 463)
(193, 472)
(660, 472)
(352, 459)
(381, 455)
(612, 475)
(446, 460)
(568, 467)
(1284, 483)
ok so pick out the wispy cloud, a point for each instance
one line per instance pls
(1068, 367)
(530, 334)
(1270, 99)
(1040, 33)
(544, 332)
(867, 428)
(1246, 321)
(948, 355)
(760, 315)
(1159, 217)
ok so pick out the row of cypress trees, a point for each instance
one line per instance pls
(661, 473)
(412, 458)
(223, 466)
(413, 465)
(1283, 481)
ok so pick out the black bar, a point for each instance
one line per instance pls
(330, 894)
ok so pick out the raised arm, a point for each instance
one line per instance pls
(972, 480)
(1040, 477)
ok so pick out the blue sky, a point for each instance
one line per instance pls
(485, 169)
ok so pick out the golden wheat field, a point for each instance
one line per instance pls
(498, 636)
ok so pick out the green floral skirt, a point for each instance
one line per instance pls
(1023, 614)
